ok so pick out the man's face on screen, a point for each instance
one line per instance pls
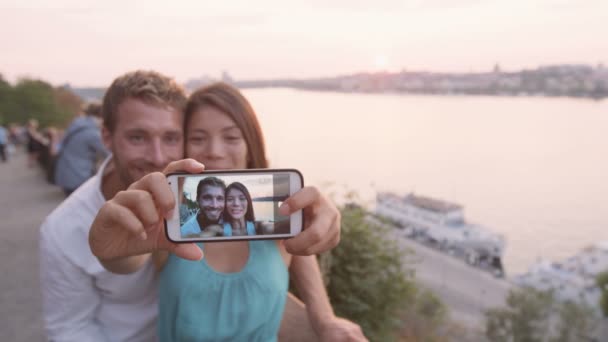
(212, 202)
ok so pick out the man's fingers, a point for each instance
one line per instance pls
(188, 251)
(156, 184)
(303, 198)
(185, 165)
(140, 202)
(124, 217)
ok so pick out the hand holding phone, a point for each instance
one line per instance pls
(233, 205)
(130, 225)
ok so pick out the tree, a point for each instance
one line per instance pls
(524, 318)
(36, 99)
(532, 315)
(368, 283)
(602, 283)
(576, 322)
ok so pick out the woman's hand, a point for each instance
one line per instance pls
(322, 219)
(342, 330)
(131, 224)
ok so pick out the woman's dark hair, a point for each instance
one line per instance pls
(249, 215)
(231, 102)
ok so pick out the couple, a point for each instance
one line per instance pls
(237, 292)
(223, 210)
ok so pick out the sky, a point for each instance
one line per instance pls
(89, 43)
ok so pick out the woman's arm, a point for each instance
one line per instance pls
(307, 278)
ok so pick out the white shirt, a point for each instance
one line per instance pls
(82, 301)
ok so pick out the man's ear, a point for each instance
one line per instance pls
(106, 136)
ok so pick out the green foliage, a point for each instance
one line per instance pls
(536, 316)
(524, 318)
(576, 322)
(35, 99)
(367, 281)
(602, 283)
(424, 318)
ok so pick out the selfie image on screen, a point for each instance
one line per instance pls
(232, 205)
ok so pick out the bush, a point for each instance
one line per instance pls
(532, 315)
(369, 283)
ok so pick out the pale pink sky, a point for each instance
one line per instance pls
(91, 42)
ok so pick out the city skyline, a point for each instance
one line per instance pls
(89, 43)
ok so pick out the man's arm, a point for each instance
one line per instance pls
(306, 275)
(69, 296)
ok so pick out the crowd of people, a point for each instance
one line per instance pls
(68, 157)
(108, 271)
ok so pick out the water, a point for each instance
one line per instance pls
(533, 169)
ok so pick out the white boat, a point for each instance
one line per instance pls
(443, 223)
(573, 278)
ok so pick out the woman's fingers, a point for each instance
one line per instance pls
(305, 197)
(317, 237)
(322, 219)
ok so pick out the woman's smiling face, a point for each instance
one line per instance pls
(236, 204)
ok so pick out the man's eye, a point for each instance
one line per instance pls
(172, 139)
(136, 138)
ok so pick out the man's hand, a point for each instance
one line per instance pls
(341, 330)
(322, 219)
(131, 223)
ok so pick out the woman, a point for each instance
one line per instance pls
(238, 213)
(238, 291)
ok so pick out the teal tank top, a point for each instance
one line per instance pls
(199, 304)
(249, 225)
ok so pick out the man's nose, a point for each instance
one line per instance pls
(157, 155)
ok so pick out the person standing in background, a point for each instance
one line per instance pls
(3, 143)
(80, 150)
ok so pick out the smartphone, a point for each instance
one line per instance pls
(233, 205)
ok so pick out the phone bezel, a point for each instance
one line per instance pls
(296, 219)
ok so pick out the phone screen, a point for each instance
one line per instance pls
(228, 206)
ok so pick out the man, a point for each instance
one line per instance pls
(143, 118)
(81, 148)
(211, 199)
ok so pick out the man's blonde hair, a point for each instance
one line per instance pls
(150, 87)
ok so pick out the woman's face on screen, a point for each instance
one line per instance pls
(236, 203)
(214, 139)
